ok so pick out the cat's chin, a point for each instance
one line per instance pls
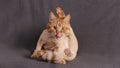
(58, 37)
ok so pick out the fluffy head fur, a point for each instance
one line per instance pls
(60, 24)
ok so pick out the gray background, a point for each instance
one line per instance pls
(96, 24)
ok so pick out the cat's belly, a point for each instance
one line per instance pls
(63, 44)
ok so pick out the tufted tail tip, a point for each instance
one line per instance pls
(60, 12)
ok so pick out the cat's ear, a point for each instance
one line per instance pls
(67, 18)
(51, 16)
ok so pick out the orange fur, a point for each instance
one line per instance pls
(59, 23)
(57, 43)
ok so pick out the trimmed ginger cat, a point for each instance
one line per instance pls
(57, 42)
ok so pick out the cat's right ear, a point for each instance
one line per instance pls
(67, 18)
(51, 16)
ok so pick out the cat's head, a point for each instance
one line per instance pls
(58, 25)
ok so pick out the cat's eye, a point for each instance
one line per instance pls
(63, 28)
(54, 27)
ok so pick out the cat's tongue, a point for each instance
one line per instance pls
(58, 35)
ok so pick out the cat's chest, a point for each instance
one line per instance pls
(61, 43)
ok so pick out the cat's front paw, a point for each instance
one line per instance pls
(34, 56)
(37, 54)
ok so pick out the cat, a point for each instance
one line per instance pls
(58, 41)
(54, 50)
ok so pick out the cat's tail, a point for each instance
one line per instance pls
(60, 12)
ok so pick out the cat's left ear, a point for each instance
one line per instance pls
(51, 16)
(67, 18)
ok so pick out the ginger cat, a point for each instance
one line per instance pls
(57, 42)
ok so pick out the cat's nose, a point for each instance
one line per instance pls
(58, 35)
